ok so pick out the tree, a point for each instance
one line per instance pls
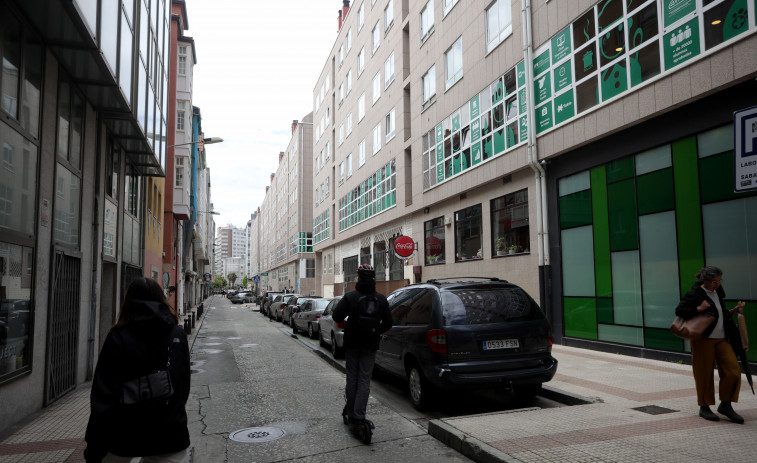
(219, 282)
(244, 282)
(232, 278)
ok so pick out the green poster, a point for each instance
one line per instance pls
(520, 69)
(541, 63)
(561, 45)
(476, 152)
(673, 10)
(563, 76)
(542, 89)
(544, 117)
(737, 22)
(455, 122)
(681, 44)
(497, 91)
(474, 108)
(523, 128)
(614, 80)
(439, 153)
(522, 101)
(564, 107)
(475, 128)
(439, 173)
(439, 133)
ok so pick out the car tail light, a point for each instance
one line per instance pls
(12, 315)
(317, 317)
(437, 340)
(549, 335)
(341, 325)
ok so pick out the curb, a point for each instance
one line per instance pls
(474, 449)
(567, 398)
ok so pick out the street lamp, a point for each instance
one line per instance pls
(206, 141)
(209, 212)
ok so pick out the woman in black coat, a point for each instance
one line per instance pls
(146, 339)
(707, 295)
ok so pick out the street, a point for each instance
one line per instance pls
(249, 372)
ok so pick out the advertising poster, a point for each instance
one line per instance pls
(561, 45)
(564, 107)
(673, 10)
(544, 117)
(681, 44)
(541, 63)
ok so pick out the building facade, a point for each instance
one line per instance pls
(84, 98)
(583, 150)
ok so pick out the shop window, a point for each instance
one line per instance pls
(468, 239)
(509, 222)
(16, 314)
(433, 237)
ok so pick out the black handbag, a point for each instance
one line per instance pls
(151, 388)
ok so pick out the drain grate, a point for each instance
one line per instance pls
(255, 435)
(654, 410)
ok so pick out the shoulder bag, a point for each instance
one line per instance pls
(693, 328)
(151, 388)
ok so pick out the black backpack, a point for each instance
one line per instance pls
(368, 316)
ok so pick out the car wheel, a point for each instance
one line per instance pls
(419, 387)
(321, 341)
(311, 333)
(336, 351)
(527, 391)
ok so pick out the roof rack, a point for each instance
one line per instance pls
(436, 281)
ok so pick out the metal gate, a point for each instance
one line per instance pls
(63, 328)
(129, 273)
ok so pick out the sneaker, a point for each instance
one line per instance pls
(726, 409)
(707, 414)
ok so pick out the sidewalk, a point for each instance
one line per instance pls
(643, 410)
(56, 433)
(634, 410)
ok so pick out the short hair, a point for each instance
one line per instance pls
(708, 273)
(144, 289)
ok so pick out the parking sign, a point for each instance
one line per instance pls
(745, 144)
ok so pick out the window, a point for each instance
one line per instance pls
(341, 55)
(180, 115)
(389, 15)
(360, 17)
(179, 180)
(328, 150)
(361, 61)
(348, 41)
(468, 233)
(341, 173)
(377, 138)
(182, 61)
(389, 70)
(448, 4)
(341, 93)
(427, 20)
(433, 241)
(429, 86)
(376, 35)
(453, 63)
(376, 87)
(361, 107)
(499, 24)
(348, 124)
(349, 81)
(389, 125)
(341, 134)
(349, 165)
(509, 222)
(361, 153)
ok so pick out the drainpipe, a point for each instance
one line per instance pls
(301, 193)
(533, 159)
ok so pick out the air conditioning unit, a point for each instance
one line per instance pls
(448, 221)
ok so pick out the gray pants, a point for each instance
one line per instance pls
(359, 369)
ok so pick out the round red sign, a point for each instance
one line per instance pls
(433, 246)
(404, 246)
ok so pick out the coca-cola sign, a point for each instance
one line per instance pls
(433, 246)
(404, 246)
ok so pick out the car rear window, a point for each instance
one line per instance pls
(475, 306)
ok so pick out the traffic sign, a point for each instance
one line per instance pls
(745, 149)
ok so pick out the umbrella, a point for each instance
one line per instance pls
(740, 345)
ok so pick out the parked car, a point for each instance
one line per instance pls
(331, 333)
(455, 334)
(274, 311)
(306, 318)
(250, 297)
(231, 293)
(293, 306)
(267, 298)
(14, 313)
(238, 298)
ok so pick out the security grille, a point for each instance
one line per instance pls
(63, 328)
(129, 274)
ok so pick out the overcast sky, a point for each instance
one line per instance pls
(257, 64)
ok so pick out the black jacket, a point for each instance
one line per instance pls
(687, 308)
(133, 350)
(348, 307)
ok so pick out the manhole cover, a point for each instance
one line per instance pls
(654, 410)
(255, 435)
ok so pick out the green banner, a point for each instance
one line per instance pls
(455, 122)
(474, 107)
(564, 107)
(523, 128)
(439, 173)
(476, 153)
(563, 76)
(542, 89)
(522, 101)
(681, 44)
(673, 10)
(520, 69)
(561, 45)
(475, 128)
(439, 153)
(541, 63)
(544, 117)
(439, 133)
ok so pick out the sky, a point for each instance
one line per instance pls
(257, 64)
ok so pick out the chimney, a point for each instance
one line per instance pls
(339, 18)
(272, 176)
(281, 155)
(294, 125)
(345, 9)
(267, 188)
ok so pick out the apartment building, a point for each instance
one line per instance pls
(583, 150)
(84, 94)
(284, 237)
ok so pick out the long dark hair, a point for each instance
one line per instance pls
(144, 289)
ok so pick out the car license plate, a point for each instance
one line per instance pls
(501, 344)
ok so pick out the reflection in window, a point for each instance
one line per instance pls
(16, 270)
(67, 207)
(433, 237)
(468, 240)
(587, 94)
(509, 221)
(724, 22)
(583, 29)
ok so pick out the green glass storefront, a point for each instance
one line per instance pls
(635, 231)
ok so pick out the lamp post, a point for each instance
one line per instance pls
(204, 141)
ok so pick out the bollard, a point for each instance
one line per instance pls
(192, 317)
